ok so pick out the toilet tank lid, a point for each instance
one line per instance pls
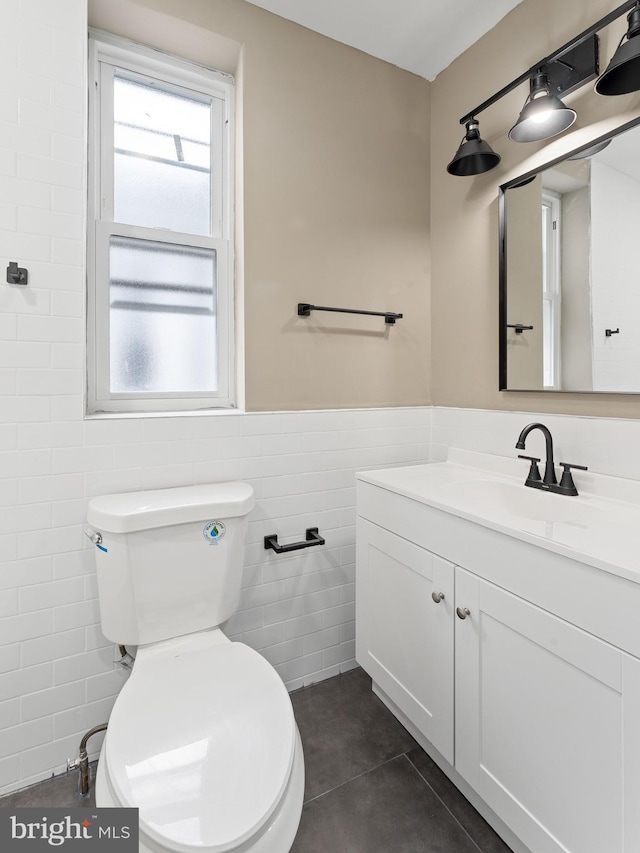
(131, 511)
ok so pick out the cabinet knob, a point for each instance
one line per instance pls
(437, 597)
(463, 612)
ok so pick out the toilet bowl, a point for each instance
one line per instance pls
(203, 742)
(202, 738)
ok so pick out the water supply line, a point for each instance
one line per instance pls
(81, 763)
(127, 660)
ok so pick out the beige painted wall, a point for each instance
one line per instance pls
(464, 214)
(334, 202)
(523, 211)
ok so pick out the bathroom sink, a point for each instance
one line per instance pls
(519, 500)
(598, 526)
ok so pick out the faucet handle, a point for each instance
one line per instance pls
(569, 465)
(567, 485)
(534, 471)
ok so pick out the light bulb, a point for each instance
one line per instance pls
(541, 117)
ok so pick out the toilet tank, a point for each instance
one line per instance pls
(169, 561)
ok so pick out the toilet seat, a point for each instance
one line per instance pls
(201, 740)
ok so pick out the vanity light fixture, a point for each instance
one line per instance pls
(474, 155)
(622, 75)
(566, 69)
(543, 115)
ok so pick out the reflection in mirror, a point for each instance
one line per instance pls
(569, 270)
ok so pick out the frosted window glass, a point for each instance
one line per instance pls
(163, 325)
(162, 158)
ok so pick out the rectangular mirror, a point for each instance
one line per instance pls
(569, 292)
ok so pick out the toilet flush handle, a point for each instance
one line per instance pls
(95, 537)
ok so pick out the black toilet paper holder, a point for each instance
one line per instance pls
(312, 538)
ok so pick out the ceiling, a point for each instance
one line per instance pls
(422, 36)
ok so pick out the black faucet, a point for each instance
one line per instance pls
(549, 481)
(549, 468)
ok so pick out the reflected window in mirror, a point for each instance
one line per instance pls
(551, 292)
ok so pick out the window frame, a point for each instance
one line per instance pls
(108, 54)
(552, 293)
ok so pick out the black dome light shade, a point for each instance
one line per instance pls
(622, 75)
(543, 115)
(474, 155)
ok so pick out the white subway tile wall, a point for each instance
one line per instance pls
(604, 445)
(59, 676)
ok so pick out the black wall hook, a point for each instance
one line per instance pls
(16, 274)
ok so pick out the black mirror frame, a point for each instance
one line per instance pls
(502, 270)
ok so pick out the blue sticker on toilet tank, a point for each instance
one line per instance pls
(214, 531)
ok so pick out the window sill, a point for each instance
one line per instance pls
(195, 413)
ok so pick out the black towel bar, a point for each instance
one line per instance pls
(518, 327)
(304, 309)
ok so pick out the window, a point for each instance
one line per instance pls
(551, 291)
(160, 267)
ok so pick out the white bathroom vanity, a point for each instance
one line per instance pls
(501, 625)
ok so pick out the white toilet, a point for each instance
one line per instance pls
(202, 738)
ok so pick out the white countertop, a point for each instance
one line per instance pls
(600, 527)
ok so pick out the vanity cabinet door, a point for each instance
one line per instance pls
(404, 628)
(547, 720)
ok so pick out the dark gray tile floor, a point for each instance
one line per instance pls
(59, 791)
(369, 787)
